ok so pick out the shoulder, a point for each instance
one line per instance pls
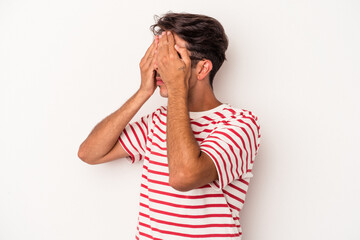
(238, 124)
(236, 116)
(241, 114)
(158, 116)
(160, 112)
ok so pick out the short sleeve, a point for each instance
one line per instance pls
(133, 139)
(232, 147)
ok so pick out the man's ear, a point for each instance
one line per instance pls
(203, 68)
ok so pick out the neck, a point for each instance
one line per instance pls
(202, 98)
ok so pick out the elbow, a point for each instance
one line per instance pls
(181, 183)
(82, 154)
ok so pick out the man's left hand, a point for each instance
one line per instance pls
(175, 70)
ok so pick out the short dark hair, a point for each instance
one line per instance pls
(205, 36)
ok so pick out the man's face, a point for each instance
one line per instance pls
(163, 91)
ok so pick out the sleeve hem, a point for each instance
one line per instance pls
(214, 185)
(130, 158)
(217, 184)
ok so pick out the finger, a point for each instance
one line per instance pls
(150, 50)
(171, 45)
(154, 57)
(154, 48)
(163, 42)
(184, 54)
(149, 57)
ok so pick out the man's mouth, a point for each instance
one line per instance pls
(159, 81)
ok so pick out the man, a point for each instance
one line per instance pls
(198, 153)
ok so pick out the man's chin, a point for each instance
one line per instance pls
(163, 91)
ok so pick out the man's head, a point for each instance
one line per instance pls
(205, 37)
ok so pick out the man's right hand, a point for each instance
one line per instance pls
(147, 69)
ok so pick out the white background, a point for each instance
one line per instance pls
(65, 65)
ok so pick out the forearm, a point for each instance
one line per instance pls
(183, 149)
(106, 133)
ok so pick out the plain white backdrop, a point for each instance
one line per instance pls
(65, 65)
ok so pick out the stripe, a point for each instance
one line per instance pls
(248, 137)
(254, 122)
(203, 130)
(243, 181)
(252, 131)
(187, 206)
(145, 122)
(237, 188)
(188, 225)
(221, 177)
(157, 145)
(207, 118)
(166, 183)
(157, 163)
(233, 196)
(128, 138)
(235, 156)
(157, 136)
(127, 150)
(244, 145)
(158, 182)
(199, 124)
(158, 127)
(190, 235)
(223, 160)
(227, 154)
(211, 195)
(158, 173)
(158, 154)
(220, 114)
(214, 215)
(230, 110)
(234, 207)
(142, 132)
(162, 122)
(137, 138)
(146, 235)
(231, 147)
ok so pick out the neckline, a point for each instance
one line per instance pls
(194, 115)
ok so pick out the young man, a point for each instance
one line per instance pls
(198, 153)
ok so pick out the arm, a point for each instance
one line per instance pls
(102, 143)
(189, 168)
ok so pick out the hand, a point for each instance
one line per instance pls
(147, 69)
(174, 71)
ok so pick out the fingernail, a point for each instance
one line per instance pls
(168, 33)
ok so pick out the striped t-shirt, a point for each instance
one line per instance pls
(231, 139)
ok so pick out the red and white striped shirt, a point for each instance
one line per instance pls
(231, 138)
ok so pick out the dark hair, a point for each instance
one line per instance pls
(205, 36)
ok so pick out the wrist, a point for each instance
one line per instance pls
(144, 94)
(178, 89)
(177, 97)
(147, 92)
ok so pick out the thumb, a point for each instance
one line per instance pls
(184, 54)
